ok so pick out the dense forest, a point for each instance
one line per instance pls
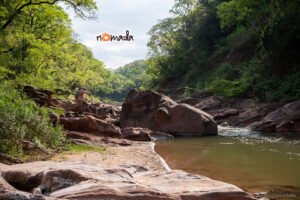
(239, 48)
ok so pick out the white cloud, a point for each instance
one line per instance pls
(115, 17)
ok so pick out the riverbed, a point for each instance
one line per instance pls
(250, 160)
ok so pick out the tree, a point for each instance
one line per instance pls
(13, 9)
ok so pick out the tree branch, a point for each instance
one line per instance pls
(18, 11)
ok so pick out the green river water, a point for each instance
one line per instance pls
(254, 162)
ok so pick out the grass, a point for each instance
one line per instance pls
(73, 149)
(68, 149)
(79, 148)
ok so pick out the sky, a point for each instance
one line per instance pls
(115, 17)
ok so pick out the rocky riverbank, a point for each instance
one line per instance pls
(277, 117)
(130, 172)
(129, 168)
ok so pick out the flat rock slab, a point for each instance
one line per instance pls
(79, 180)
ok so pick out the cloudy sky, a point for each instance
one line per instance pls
(115, 17)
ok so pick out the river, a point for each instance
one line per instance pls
(252, 161)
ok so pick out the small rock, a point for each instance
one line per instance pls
(136, 134)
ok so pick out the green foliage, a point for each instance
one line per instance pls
(37, 48)
(225, 87)
(21, 120)
(235, 48)
(119, 82)
(135, 74)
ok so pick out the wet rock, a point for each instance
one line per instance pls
(158, 112)
(90, 124)
(75, 180)
(155, 136)
(264, 126)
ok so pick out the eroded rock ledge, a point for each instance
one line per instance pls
(245, 112)
(78, 180)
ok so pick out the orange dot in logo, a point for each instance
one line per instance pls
(105, 37)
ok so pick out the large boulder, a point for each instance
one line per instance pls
(77, 180)
(158, 112)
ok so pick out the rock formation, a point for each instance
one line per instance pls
(75, 180)
(244, 112)
(90, 124)
(158, 112)
(283, 119)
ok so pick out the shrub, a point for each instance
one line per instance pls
(21, 119)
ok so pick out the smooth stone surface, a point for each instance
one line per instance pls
(75, 180)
